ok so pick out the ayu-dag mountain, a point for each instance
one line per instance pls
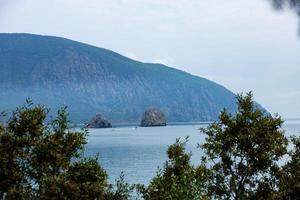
(55, 71)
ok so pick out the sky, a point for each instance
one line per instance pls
(241, 44)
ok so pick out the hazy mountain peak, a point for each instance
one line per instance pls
(56, 71)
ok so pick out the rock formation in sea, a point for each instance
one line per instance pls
(99, 121)
(153, 117)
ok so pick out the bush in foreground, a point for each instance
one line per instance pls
(242, 156)
(244, 151)
(42, 160)
(242, 160)
(178, 179)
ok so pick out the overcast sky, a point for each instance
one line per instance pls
(241, 44)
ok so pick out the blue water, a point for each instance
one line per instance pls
(139, 151)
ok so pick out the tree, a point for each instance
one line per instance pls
(289, 175)
(242, 151)
(121, 191)
(40, 160)
(178, 179)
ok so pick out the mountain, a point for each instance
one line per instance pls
(56, 71)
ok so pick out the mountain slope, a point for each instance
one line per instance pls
(56, 71)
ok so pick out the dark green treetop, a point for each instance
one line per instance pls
(178, 179)
(242, 151)
(289, 175)
(41, 160)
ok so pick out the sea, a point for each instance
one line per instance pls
(139, 152)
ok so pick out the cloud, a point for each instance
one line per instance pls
(5, 4)
(163, 60)
(131, 55)
(242, 44)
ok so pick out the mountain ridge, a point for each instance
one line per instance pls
(55, 71)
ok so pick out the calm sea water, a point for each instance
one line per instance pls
(139, 151)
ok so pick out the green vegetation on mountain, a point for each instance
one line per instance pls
(56, 71)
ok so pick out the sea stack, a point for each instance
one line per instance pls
(99, 121)
(153, 117)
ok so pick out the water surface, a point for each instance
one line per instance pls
(139, 151)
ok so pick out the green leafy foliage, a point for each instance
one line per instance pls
(242, 160)
(242, 151)
(289, 176)
(178, 179)
(42, 160)
(121, 191)
(84, 179)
